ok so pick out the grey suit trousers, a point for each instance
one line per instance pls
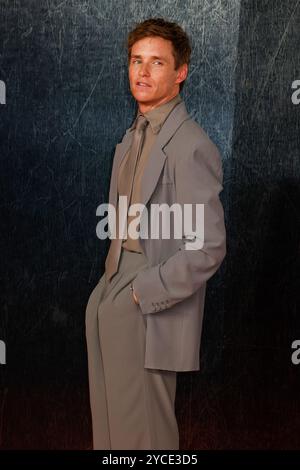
(132, 407)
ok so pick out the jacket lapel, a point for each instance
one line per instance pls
(156, 158)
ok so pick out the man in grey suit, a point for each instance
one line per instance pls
(144, 317)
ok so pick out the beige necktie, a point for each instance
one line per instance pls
(112, 260)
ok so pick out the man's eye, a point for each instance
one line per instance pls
(155, 62)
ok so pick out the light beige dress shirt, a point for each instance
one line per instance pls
(156, 117)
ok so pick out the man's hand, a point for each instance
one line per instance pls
(135, 298)
(134, 295)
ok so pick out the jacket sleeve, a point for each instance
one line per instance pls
(198, 180)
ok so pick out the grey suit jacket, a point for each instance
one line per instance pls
(184, 167)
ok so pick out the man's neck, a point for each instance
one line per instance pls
(144, 107)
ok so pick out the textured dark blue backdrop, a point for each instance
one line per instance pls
(68, 104)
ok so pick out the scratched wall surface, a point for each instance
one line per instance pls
(260, 386)
(68, 104)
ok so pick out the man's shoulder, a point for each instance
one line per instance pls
(191, 135)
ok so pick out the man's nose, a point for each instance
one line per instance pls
(143, 70)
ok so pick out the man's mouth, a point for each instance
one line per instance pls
(143, 84)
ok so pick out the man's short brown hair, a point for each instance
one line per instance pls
(166, 30)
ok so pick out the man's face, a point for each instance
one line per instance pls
(152, 75)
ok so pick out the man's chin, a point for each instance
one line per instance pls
(143, 97)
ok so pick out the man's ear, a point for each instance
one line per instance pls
(182, 73)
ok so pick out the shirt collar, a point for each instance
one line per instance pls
(158, 115)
